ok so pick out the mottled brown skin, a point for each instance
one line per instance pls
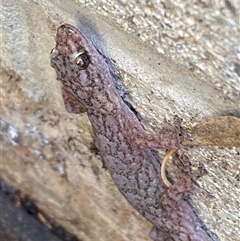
(124, 145)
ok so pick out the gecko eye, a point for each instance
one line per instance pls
(82, 60)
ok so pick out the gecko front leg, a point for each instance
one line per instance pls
(172, 139)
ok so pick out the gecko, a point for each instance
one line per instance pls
(124, 145)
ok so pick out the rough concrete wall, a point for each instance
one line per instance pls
(174, 57)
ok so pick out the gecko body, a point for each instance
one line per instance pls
(124, 145)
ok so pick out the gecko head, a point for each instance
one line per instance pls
(81, 68)
(76, 60)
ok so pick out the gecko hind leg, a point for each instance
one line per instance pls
(178, 221)
(177, 214)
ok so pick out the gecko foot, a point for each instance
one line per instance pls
(175, 128)
(184, 167)
(187, 180)
(182, 136)
(183, 164)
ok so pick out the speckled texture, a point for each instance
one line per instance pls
(123, 143)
